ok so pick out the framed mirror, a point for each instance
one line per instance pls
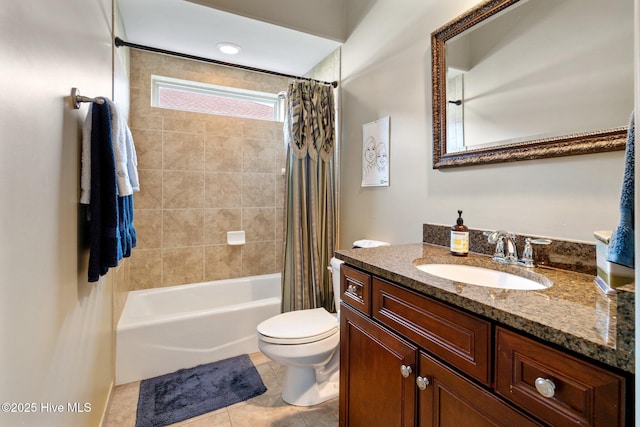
(527, 79)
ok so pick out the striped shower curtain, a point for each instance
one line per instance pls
(309, 229)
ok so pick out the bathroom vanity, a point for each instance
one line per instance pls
(419, 350)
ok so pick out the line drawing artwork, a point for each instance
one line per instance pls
(375, 153)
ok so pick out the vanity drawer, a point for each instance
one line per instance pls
(355, 287)
(580, 393)
(458, 338)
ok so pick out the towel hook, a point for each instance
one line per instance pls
(76, 98)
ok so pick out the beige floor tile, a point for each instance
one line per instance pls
(323, 415)
(124, 404)
(219, 418)
(259, 358)
(279, 370)
(269, 376)
(268, 409)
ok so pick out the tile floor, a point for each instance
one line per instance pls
(268, 409)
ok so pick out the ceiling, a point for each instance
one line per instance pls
(194, 29)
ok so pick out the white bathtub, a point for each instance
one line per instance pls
(165, 329)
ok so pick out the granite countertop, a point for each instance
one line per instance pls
(573, 313)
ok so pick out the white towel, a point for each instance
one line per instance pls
(365, 243)
(85, 173)
(123, 148)
(125, 153)
(132, 164)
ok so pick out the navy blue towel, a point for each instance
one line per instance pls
(128, 238)
(621, 246)
(111, 231)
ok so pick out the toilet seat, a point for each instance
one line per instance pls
(299, 327)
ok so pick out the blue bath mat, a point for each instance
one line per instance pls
(190, 392)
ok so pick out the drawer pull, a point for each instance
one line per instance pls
(351, 289)
(405, 371)
(422, 382)
(545, 387)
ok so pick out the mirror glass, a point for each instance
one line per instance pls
(518, 80)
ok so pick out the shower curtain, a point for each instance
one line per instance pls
(309, 229)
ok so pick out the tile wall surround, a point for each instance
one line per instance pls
(562, 254)
(202, 175)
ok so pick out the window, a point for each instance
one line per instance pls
(167, 92)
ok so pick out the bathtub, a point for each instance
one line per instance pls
(165, 329)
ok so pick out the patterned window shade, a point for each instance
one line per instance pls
(310, 119)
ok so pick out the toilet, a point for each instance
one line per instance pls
(307, 343)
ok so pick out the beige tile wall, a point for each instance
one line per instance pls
(202, 175)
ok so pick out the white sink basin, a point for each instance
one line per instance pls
(481, 276)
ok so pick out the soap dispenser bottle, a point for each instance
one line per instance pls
(459, 237)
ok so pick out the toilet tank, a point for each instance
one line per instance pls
(335, 276)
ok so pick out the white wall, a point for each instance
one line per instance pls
(56, 333)
(325, 18)
(386, 70)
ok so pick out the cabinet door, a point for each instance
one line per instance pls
(373, 390)
(450, 400)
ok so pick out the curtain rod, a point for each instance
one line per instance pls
(119, 42)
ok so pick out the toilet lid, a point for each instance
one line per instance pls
(299, 327)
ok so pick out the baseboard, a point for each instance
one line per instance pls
(107, 407)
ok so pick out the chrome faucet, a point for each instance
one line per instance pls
(527, 252)
(500, 237)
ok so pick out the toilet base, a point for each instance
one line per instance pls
(300, 387)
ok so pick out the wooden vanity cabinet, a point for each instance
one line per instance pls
(451, 400)
(355, 288)
(577, 393)
(373, 391)
(408, 360)
(461, 339)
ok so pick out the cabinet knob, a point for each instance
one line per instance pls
(545, 387)
(405, 371)
(422, 382)
(351, 289)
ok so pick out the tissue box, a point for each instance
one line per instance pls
(613, 275)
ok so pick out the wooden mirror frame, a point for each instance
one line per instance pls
(567, 145)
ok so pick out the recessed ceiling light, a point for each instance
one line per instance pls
(229, 48)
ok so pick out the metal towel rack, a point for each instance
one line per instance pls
(76, 98)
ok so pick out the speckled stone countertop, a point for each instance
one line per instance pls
(572, 313)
